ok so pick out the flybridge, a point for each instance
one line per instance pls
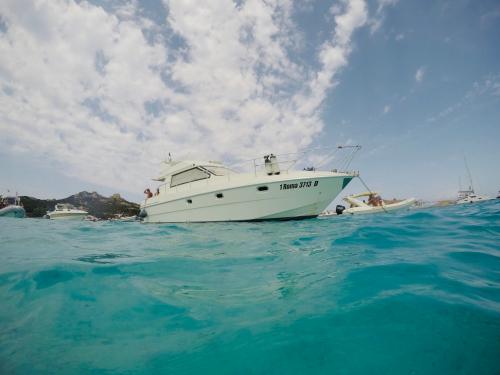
(270, 164)
(342, 155)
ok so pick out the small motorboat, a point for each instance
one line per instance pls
(11, 207)
(123, 218)
(66, 211)
(375, 204)
(128, 218)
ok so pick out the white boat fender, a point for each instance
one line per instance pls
(339, 209)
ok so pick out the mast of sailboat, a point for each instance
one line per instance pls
(471, 187)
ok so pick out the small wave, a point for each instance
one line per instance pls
(47, 278)
(107, 271)
(422, 216)
(101, 258)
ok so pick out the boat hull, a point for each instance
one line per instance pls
(283, 199)
(473, 200)
(66, 216)
(13, 211)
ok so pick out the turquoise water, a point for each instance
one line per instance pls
(416, 292)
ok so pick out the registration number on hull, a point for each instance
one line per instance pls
(299, 185)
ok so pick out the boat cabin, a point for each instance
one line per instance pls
(183, 172)
(64, 207)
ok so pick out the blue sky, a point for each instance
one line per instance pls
(94, 94)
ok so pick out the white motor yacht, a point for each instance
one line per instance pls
(11, 207)
(66, 211)
(202, 191)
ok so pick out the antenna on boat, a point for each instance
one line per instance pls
(343, 162)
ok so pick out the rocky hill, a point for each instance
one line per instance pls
(96, 205)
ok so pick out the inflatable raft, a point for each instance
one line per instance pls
(359, 207)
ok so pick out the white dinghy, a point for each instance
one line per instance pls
(375, 204)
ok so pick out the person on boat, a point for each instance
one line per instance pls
(374, 200)
(148, 193)
(157, 191)
(371, 200)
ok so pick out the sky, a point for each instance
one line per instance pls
(94, 94)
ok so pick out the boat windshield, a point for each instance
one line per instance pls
(190, 175)
(218, 171)
(64, 206)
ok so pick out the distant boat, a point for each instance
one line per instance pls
(66, 211)
(469, 195)
(123, 218)
(11, 207)
(128, 218)
(90, 218)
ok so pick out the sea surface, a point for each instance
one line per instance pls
(415, 292)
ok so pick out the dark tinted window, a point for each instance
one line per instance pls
(190, 175)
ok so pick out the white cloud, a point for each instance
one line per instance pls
(87, 89)
(487, 86)
(419, 75)
(381, 4)
(387, 108)
(400, 37)
(378, 17)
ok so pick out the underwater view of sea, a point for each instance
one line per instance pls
(414, 292)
